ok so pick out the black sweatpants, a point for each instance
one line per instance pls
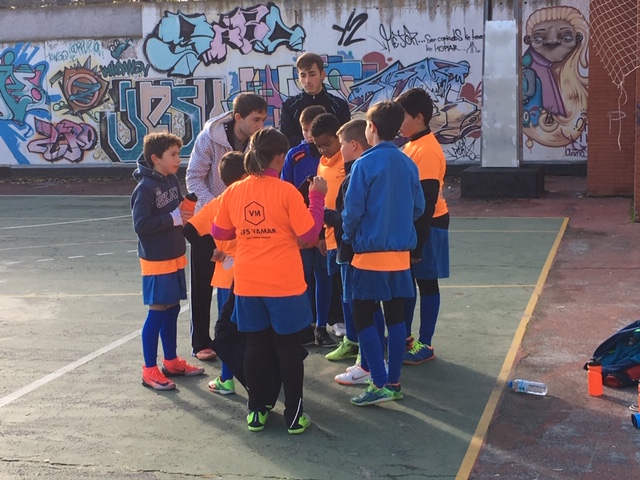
(201, 290)
(268, 355)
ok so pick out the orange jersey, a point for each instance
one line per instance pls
(427, 154)
(203, 219)
(268, 215)
(332, 170)
(223, 278)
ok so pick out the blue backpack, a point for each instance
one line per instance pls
(619, 356)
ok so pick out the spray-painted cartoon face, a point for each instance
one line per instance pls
(553, 39)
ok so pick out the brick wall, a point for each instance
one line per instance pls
(611, 168)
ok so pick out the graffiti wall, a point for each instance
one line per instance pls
(555, 82)
(90, 101)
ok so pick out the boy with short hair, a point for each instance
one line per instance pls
(231, 169)
(324, 129)
(311, 75)
(381, 203)
(227, 132)
(301, 162)
(158, 221)
(431, 255)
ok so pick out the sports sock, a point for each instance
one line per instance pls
(225, 373)
(371, 349)
(397, 340)
(150, 332)
(169, 333)
(429, 308)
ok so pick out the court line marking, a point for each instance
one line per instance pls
(7, 399)
(132, 240)
(479, 435)
(15, 227)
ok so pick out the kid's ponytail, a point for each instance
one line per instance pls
(263, 146)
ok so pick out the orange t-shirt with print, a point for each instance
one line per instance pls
(332, 170)
(427, 154)
(268, 215)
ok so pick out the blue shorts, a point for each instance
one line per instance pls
(332, 262)
(435, 256)
(382, 286)
(346, 273)
(285, 315)
(166, 289)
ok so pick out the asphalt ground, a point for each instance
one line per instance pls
(536, 284)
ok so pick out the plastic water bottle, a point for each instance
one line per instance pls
(188, 204)
(527, 386)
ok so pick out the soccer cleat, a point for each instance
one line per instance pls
(420, 353)
(346, 349)
(153, 377)
(339, 329)
(300, 425)
(256, 420)
(206, 354)
(228, 387)
(323, 339)
(179, 366)
(353, 376)
(373, 395)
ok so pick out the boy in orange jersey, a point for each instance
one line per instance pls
(381, 203)
(231, 170)
(324, 130)
(301, 162)
(158, 221)
(431, 255)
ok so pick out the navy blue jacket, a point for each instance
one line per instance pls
(152, 202)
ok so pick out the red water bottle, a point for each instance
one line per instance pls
(594, 378)
(188, 204)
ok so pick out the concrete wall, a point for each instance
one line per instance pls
(82, 86)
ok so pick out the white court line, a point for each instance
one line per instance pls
(77, 256)
(69, 245)
(66, 223)
(6, 400)
(45, 260)
(101, 254)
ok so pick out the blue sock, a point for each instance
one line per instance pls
(349, 326)
(150, 332)
(409, 308)
(169, 333)
(397, 341)
(226, 373)
(372, 350)
(429, 308)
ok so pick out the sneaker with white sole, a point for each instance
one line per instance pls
(228, 387)
(339, 330)
(355, 375)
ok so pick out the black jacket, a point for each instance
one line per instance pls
(293, 106)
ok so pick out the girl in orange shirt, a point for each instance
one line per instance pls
(267, 217)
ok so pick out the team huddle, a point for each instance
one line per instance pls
(323, 214)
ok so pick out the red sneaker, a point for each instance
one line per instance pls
(179, 366)
(153, 377)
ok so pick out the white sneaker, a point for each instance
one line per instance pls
(339, 329)
(353, 376)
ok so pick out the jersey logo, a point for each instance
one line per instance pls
(254, 213)
(299, 156)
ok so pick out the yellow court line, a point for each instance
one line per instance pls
(502, 231)
(470, 457)
(513, 285)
